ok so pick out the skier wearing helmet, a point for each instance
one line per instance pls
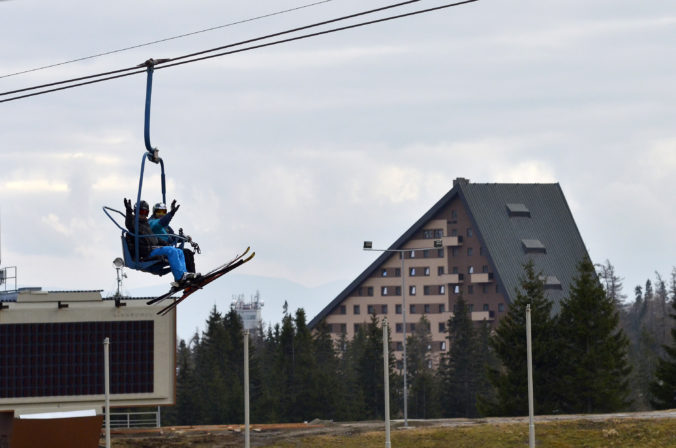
(159, 224)
(151, 246)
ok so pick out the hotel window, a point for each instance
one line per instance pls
(397, 308)
(397, 291)
(426, 253)
(342, 309)
(454, 232)
(442, 308)
(438, 233)
(470, 269)
(411, 290)
(454, 251)
(486, 307)
(357, 327)
(469, 232)
(370, 309)
(501, 307)
(427, 271)
(442, 345)
(412, 254)
(440, 253)
(440, 270)
(455, 269)
(355, 309)
(427, 308)
(442, 327)
(383, 309)
(411, 272)
(343, 328)
(411, 327)
(470, 289)
(397, 272)
(399, 328)
(383, 290)
(369, 291)
(411, 309)
(484, 269)
(470, 251)
(426, 290)
(400, 346)
(471, 307)
(442, 289)
(383, 273)
(456, 290)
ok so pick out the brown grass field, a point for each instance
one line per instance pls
(641, 430)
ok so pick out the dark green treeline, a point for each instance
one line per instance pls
(598, 354)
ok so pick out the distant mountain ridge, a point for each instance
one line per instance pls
(193, 313)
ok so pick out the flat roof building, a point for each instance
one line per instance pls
(474, 241)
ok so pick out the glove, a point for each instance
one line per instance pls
(127, 205)
(174, 207)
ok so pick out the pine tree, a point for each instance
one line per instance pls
(663, 388)
(458, 370)
(423, 391)
(510, 380)
(594, 366)
(211, 390)
(330, 390)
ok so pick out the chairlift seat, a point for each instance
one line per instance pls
(158, 265)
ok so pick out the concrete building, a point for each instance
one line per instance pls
(486, 233)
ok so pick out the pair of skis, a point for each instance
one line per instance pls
(200, 282)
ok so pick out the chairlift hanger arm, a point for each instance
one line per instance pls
(153, 153)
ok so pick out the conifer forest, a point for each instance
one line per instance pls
(607, 350)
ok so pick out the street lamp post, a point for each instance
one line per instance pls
(368, 245)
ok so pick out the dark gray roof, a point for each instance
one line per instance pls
(549, 220)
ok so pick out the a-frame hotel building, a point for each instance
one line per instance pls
(487, 232)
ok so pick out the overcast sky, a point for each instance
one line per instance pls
(304, 150)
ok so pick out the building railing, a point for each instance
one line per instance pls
(147, 419)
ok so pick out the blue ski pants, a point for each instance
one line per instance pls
(175, 257)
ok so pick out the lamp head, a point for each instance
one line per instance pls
(118, 263)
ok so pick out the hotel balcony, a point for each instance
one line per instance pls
(483, 277)
(452, 241)
(482, 315)
(452, 279)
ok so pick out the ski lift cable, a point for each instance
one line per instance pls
(169, 63)
(73, 80)
(166, 39)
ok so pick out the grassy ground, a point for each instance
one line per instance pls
(577, 434)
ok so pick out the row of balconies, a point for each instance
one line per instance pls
(454, 279)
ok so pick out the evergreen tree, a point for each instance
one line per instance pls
(304, 386)
(663, 388)
(183, 412)
(594, 354)
(458, 370)
(370, 369)
(209, 364)
(510, 380)
(423, 391)
(329, 387)
(285, 369)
